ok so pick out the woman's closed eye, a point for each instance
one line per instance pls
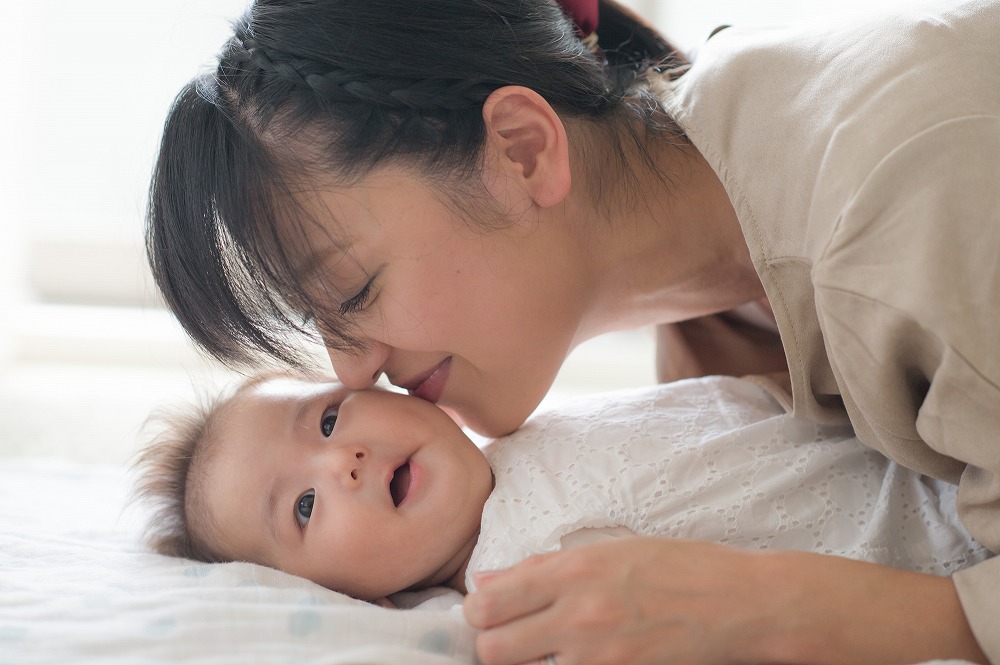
(357, 302)
(304, 508)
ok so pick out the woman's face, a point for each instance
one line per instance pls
(477, 321)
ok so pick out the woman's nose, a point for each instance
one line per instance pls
(359, 368)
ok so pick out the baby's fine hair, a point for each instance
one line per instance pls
(316, 93)
(167, 477)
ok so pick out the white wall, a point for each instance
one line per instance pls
(83, 354)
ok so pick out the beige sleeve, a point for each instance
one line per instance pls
(978, 590)
(908, 297)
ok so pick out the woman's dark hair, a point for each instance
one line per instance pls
(311, 92)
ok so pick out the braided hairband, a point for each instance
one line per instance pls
(385, 91)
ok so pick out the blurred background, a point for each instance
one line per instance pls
(85, 348)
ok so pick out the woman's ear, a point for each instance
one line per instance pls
(526, 148)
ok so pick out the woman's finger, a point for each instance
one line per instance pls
(506, 595)
(528, 639)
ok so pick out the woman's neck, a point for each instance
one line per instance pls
(671, 249)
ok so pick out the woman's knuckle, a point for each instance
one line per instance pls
(536, 560)
(578, 566)
(596, 613)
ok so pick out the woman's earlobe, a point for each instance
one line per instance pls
(528, 142)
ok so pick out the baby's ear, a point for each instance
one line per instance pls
(385, 602)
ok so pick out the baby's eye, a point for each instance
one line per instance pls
(304, 507)
(329, 420)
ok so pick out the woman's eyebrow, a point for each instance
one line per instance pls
(321, 251)
(305, 269)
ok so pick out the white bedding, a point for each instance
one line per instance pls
(76, 587)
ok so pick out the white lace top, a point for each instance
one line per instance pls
(711, 459)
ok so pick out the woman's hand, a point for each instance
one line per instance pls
(645, 600)
(636, 600)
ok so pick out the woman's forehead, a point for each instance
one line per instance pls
(335, 228)
(325, 229)
(315, 228)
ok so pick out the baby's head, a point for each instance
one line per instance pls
(366, 492)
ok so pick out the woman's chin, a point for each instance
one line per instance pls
(492, 425)
(454, 415)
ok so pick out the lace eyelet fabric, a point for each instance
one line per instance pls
(712, 459)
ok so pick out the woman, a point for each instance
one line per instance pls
(455, 194)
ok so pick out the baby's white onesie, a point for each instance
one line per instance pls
(715, 459)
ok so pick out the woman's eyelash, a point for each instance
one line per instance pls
(357, 302)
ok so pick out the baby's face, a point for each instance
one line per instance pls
(365, 492)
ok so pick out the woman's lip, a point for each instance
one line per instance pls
(431, 387)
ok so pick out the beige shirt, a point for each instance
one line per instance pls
(863, 161)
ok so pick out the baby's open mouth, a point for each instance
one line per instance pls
(400, 483)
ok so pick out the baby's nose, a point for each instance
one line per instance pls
(349, 463)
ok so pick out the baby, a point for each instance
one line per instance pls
(364, 492)
(374, 492)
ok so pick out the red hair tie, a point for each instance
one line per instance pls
(584, 14)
